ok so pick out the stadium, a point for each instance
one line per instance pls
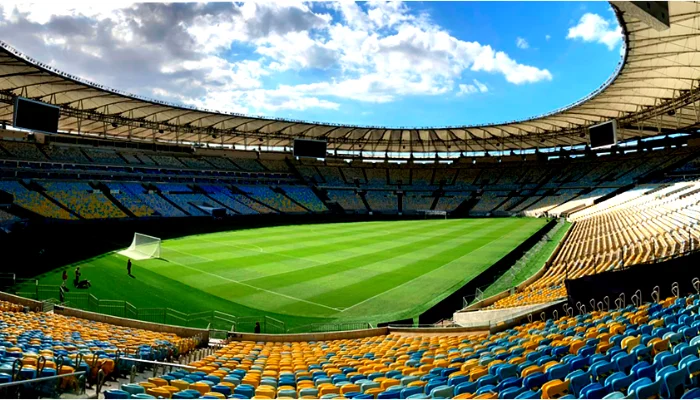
(155, 250)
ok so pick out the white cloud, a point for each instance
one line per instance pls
(522, 43)
(547, 37)
(468, 88)
(594, 28)
(230, 56)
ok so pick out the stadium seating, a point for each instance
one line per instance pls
(82, 199)
(451, 200)
(650, 351)
(383, 201)
(131, 201)
(47, 344)
(104, 156)
(7, 217)
(489, 201)
(138, 194)
(66, 154)
(349, 200)
(23, 151)
(268, 197)
(305, 197)
(224, 197)
(649, 222)
(34, 201)
(417, 201)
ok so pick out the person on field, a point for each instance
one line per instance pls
(77, 276)
(128, 267)
(257, 327)
(64, 277)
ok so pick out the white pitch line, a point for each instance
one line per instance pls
(261, 250)
(420, 276)
(186, 253)
(255, 287)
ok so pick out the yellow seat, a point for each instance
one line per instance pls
(159, 392)
(158, 381)
(349, 387)
(215, 394)
(555, 389)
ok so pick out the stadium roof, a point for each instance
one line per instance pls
(654, 90)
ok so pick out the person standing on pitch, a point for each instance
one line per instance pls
(128, 267)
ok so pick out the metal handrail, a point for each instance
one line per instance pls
(160, 363)
(42, 379)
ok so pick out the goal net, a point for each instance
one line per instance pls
(434, 214)
(143, 247)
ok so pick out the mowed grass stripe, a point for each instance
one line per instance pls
(343, 296)
(253, 294)
(229, 267)
(260, 239)
(360, 273)
(428, 287)
(233, 288)
(372, 271)
(290, 238)
(385, 252)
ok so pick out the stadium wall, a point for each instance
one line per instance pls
(644, 277)
(446, 307)
(35, 305)
(132, 323)
(304, 337)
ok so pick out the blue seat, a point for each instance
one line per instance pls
(624, 362)
(133, 388)
(487, 380)
(558, 371)
(454, 381)
(672, 383)
(530, 394)
(511, 392)
(614, 395)
(534, 381)
(601, 370)
(648, 390)
(183, 395)
(618, 381)
(225, 390)
(405, 393)
(433, 383)
(577, 381)
(692, 394)
(116, 394)
(442, 392)
(395, 394)
(245, 390)
(465, 387)
(508, 383)
(593, 391)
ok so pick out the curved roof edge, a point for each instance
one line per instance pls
(631, 93)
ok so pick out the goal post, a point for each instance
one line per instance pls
(433, 214)
(143, 247)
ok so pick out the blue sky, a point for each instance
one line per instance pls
(395, 64)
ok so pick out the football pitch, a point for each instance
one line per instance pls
(363, 271)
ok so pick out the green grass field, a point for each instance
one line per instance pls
(366, 271)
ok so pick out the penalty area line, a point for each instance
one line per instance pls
(255, 287)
